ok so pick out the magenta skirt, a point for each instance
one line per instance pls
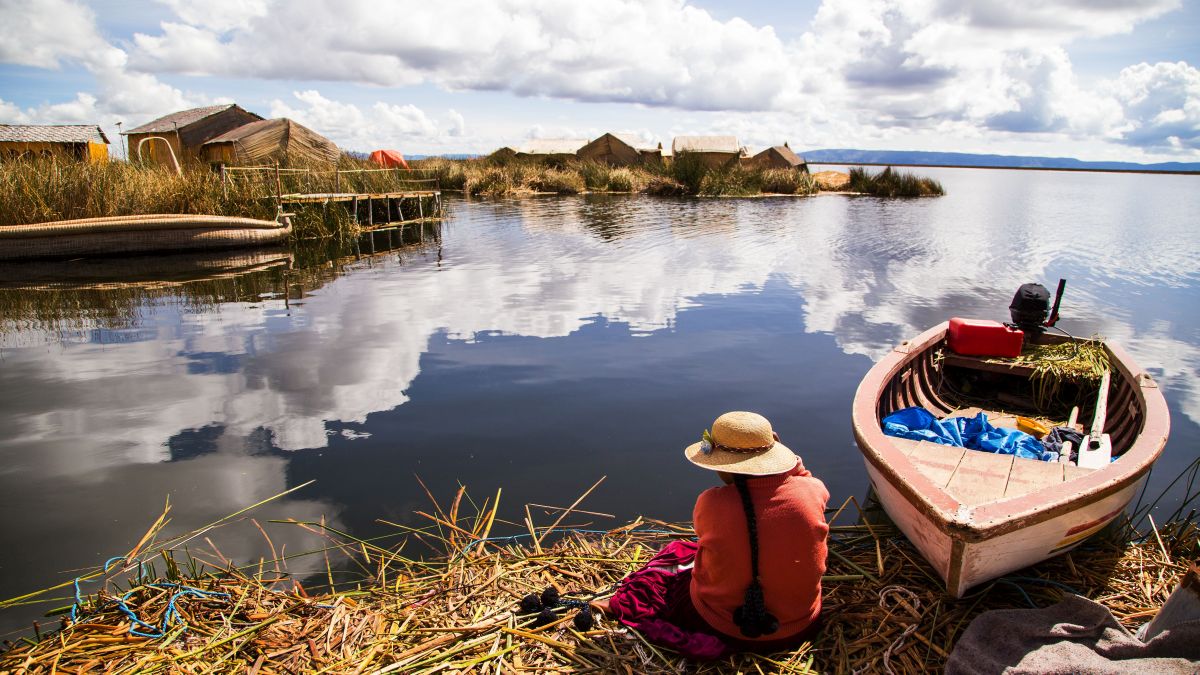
(656, 601)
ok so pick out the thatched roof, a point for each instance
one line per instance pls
(178, 120)
(705, 144)
(266, 139)
(552, 146)
(784, 152)
(52, 133)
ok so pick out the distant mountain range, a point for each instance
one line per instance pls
(917, 158)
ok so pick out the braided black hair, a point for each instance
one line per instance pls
(752, 618)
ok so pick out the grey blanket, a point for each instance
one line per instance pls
(1074, 636)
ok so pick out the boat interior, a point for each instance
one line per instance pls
(936, 380)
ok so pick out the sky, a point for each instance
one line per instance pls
(1091, 79)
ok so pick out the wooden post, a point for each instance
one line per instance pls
(224, 185)
(420, 208)
(278, 187)
(370, 212)
(354, 208)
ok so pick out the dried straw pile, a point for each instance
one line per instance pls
(459, 613)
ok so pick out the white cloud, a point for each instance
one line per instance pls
(867, 70)
(1055, 19)
(661, 52)
(219, 15)
(1163, 103)
(51, 33)
(379, 126)
(47, 32)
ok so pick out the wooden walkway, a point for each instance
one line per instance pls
(380, 208)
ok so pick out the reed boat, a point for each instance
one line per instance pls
(123, 235)
(976, 515)
(157, 271)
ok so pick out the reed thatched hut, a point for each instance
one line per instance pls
(185, 131)
(278, 140)
(83, 142)
(619, 150)
(551, 150)
(712, 151)
(778, 157)
(503, 155)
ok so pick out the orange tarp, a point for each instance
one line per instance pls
(389, 158)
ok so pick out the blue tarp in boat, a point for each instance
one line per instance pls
(973, 433)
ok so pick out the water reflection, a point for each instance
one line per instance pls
(537, 344)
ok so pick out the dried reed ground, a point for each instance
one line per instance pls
(884, 608)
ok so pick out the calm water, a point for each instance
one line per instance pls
(537, 345)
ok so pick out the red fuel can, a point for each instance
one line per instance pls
(980, 337)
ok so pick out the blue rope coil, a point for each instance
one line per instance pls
(171, 616)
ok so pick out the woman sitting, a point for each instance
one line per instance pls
(753, 580)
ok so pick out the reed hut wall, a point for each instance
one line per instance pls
(712, 151)
(279, 140)
(554, 151)
(90, 151)
(712, 160)
(82, 142)
(154, 151)
(186, 132)
(612, 150)
(652, 156)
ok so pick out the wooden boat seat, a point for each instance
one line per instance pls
(994, 364)
(973, 477)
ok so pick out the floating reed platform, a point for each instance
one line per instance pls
(368, 209)
(458, 612)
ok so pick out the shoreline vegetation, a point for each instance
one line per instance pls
(445, 596)
(45, 189)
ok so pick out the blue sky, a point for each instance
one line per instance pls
(1094, 80)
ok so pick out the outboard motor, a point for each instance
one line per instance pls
(1030, 308)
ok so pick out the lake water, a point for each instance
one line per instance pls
(540, 344)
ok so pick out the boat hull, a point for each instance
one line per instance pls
(962, 564)
(970, 539)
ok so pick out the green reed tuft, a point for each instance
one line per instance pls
(892, 183)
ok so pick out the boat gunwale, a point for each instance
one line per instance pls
(992, 519)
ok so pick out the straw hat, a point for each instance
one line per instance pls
(742, 443)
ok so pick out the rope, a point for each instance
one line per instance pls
(915, 603)
(108, 565)
(171, 615)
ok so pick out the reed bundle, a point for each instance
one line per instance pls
(458, 611)
(1056, 365)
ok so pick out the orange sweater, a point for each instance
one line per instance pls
(790, 511)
